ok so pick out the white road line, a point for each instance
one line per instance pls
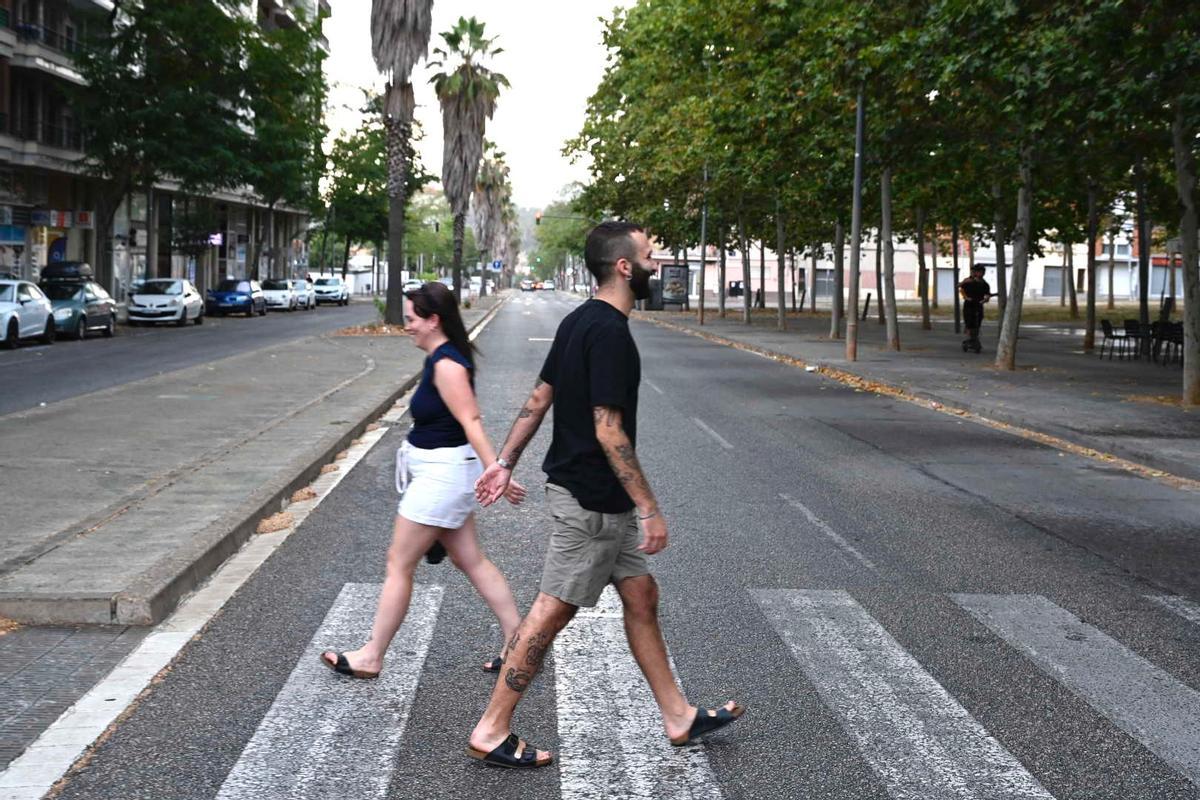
(912, 732)
(34, 772)
(1139, 698)
(1178, 605)
(540, 339)
(612, 744)
(700, 424)
(652, 385)
(824, 528)
(332, 736)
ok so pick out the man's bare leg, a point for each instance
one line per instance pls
(526, 652)
(639, 596)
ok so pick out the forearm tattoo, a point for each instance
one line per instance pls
(518, 439)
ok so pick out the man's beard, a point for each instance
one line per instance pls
(639, 282)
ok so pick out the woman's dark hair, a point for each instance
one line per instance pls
(435, 298)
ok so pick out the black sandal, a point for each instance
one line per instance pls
(494, 665)
(342, 667)
(511, 753)
(707, 721)
(435, 553)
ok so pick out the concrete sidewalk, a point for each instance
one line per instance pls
(1112, 406)
(119, 502)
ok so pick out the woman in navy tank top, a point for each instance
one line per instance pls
(436, 469)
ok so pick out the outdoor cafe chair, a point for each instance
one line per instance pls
(1135, 333)
(1172, 342)
(1113, 340)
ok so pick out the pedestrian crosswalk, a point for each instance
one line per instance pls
(326, 736)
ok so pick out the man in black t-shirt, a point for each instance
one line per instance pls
(975, 292)
(598, 495)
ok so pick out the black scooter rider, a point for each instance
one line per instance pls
(975, 292)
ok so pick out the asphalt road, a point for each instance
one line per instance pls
(910, 606)
(37, 373)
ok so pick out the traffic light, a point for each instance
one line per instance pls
(537, 220)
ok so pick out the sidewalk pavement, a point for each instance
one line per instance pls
(119, 502)
(1117, 407)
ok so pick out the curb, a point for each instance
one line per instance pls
(1179, 475)
(155, 593)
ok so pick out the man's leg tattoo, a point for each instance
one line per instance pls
(535, 653)
(517, 679)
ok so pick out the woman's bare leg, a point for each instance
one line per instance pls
(463, 546)
(410, 540)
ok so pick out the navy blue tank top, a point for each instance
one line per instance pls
(433, 424)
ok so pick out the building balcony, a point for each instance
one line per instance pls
(45, 50)
(63, 137)
(31, 32)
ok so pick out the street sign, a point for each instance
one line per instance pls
(497, 265)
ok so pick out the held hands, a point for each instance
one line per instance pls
(494, 484)
(515, 493)
(654, 534)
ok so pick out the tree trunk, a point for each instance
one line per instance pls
(811, 288)
(460, 225)
(933, 271)
(744, 246)
(882, 319)
(922, 272)
(1062, 288)
(780, 266)
(889, 260)
(1072, 294)
(1001, 236)
(1143, 229)
(256, 254)
(703, 247)
(957, 299)
(398, 128)
(1093, 225)
(1185, 183)
(346, 260)
(1006, 352)
(721, 274)
(762, 272)
(838, 300)
(1112, 267)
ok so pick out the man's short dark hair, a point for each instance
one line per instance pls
(608, 243)
(978, 268)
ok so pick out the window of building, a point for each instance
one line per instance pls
(1122, 249)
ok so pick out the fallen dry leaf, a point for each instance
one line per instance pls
(306, 493)
(374, 426)
(374, 329)
(276, 522)
(8, 626)
(341, 456)
(329, 468)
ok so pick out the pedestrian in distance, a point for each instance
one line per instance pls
(598, 495)
(975, 292)
(436, 469)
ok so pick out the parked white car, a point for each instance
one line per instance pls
(411, 285)
(166, 300)
(306, 294)
(280, 295)
(25, 313)
(332, 290)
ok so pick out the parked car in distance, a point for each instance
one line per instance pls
(412, 284)
(80, 304)
(280, 294)
(80, 307)
(548, 285)
(526, 285)
(306, 294)
(25, 313)
(165, 300)
(236, 296)
(332, 290)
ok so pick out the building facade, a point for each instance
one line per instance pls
(47, 201)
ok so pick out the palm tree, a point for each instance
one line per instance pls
(492, 192)
(400, 32)
(467, 94)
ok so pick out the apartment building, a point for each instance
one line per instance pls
(47, 202)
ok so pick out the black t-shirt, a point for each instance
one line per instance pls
(975, 290)
(593, 362)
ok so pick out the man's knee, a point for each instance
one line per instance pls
(550, 612)
(639, 595)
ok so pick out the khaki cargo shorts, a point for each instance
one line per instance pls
(589, 550)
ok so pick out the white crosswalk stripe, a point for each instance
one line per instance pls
(1150, 705)
(327, 735)
(1178, 605)
(913, 733)
(612, 743)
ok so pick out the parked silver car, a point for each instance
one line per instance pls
(306, 294)
(25, 313)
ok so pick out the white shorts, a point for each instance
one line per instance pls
(437, 486)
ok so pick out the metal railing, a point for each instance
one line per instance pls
(32, 32)
(68, 137)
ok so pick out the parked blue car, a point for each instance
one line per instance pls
(233, 296)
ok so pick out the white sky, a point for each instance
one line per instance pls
(553, 57)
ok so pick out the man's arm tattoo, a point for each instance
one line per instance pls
(628, 469)
(607, 415)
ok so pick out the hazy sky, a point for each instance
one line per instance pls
(553, 57)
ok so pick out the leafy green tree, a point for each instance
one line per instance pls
(287, 99)
(467, 92)
(161, 101)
